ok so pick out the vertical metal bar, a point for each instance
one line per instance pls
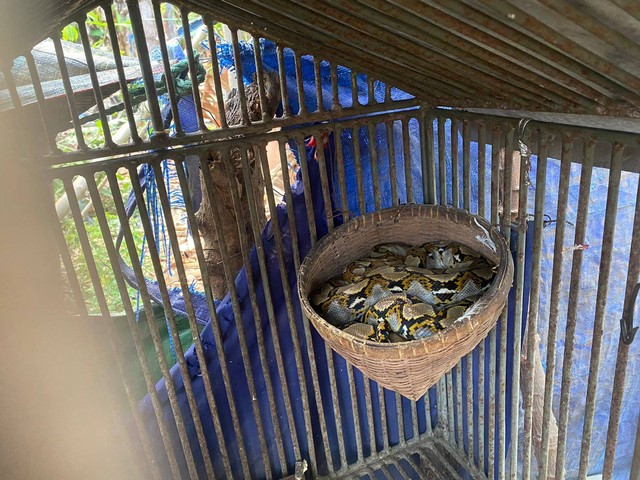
(519, 281)
(506, 231)
(318, 80)
(145, 65)
(282, 73)
(556, 285)
(135, 334)
(342, 182)
(97, 92)
(466, 165)
(66, 82)
(302, 105)
(623, 350)
(387, 93)
(358, 163)
(11, 86)
(335, 101)
(481, 404)
(257, 53)
(470, 424)
(169, 81)
(458, 395)
(37, 88)
(428, 159)
(307, 187)
(391, 151)
(450, 413)
(370, 91)
(406, 160)
(193, 75)
(356, 416)
(355, 101)
(153, 328)
(368, 405)
(495, 173)
(215, 70)
(413, 410)
(491, 427)
(574, 289)
(173, 329)
(455, 163)
(117, 58)
(427, 409)
(402, 439)
(382, 401)
(442, 161)
(482, 166)
(324, 180)
(601, 302)
(373, 162)
(237, 61)
(284, 167)
(302, 381)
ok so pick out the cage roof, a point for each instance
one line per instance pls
(578, 56)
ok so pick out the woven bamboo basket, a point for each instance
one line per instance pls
(409, 368)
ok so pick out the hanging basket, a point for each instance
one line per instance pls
(409, 368)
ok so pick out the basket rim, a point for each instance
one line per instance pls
(441, 338)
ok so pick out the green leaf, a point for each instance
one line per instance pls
(70, 33)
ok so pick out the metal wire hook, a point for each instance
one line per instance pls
(627, 330)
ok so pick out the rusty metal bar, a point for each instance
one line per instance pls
(450, 421)
(466, 166)
(482, 166)
(145, 65)
(284, 167)
(318, 81)
(534, 301)
(117, 57)
(135, 334)
(470, 423)
(324, 180)
(406, 160)
(171, 88)
(356, 417)
(342, 182)
(173, 328)
(370, 90)
(37, 88)
(442, 160)
(455, 163)
(558, 257)
(427, 409)
(491, 435)
(355, 101)
(574, 289)
(153, 328)
(357, 159)
(195, 90)
(481, 404)
(215, 70)
(237, 61)
(82, 28)
(391, 152)
(257, 56)
(402, 437)
(66, 82)
(457, 435)
(302, 159)
(369, 407)
(623, 350)
(335, 101)
(382, 402)
(373, 162)
(282, 73)
(601, 302)
(302, 104)
(495, 173)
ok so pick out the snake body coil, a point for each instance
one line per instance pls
(400, 293)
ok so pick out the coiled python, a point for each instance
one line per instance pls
(400, 293)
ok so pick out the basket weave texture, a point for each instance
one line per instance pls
(409, 368)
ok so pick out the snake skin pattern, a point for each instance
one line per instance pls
(399, 293)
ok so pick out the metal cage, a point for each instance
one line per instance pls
(274, 401)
